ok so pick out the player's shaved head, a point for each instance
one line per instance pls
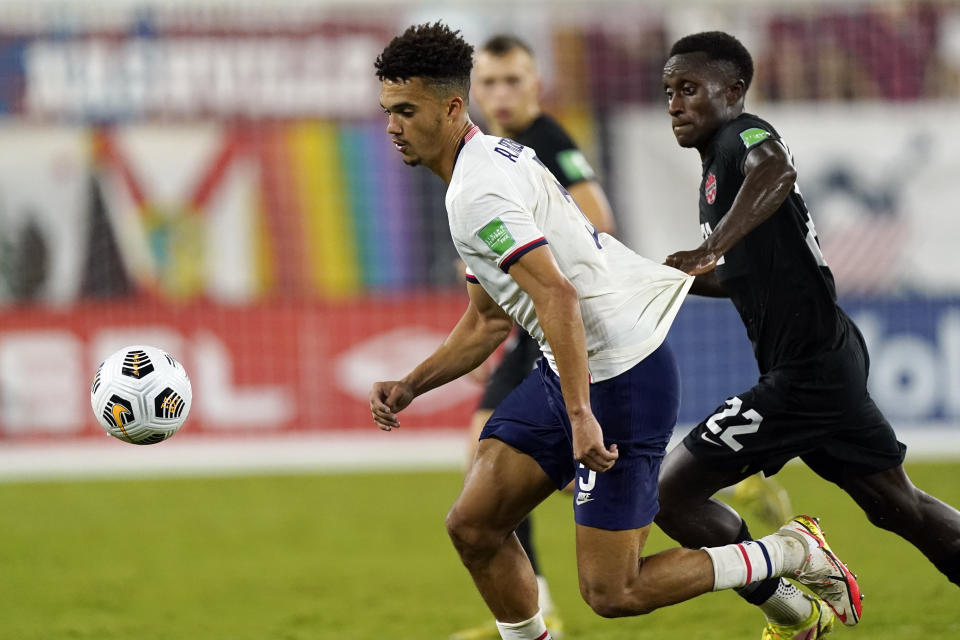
(436, 54)
(720, 50)
(503, 43)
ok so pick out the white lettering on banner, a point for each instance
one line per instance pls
(36, 366)
(42, 382)
(107, 341)
(275, 76)
(227, 406)
(948, 332)
(910, 378)
(389, 355)
(904, 375)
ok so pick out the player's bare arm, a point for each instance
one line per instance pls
(558, 310)
(589, 196)
(480, 330)
(769, 175)
(708, 285)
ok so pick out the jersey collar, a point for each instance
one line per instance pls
(474, 130)
(715, 140)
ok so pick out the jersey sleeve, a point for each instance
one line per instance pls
(495, 229)
(742, 135)
(470, 276)
(560, 155)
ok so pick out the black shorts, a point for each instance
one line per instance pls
(521, 355)
(818, 410)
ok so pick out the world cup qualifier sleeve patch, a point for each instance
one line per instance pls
(496, 236)
(752, 137)
(575, 166)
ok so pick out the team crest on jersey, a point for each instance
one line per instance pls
(710, 189)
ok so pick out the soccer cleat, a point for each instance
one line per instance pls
(818, 624)
(823, 573)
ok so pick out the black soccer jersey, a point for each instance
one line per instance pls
(556, 150)
(776, 276)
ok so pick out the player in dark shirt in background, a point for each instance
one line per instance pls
(506, 89)
(761, 251)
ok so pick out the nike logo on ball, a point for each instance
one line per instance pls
(118, 411)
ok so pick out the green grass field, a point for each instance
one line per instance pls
(365, 556)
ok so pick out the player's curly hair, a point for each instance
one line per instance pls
(433, 52)
(721, 47)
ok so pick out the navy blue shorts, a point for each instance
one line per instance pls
(637, 411)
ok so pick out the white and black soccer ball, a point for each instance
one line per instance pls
(141, 395)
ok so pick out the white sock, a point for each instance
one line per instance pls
(532, 629)
(544, 600)
(793, 552)
(787, 605)
(737, 565)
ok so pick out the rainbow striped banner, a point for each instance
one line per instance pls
(347, 200)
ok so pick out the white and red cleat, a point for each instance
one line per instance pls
(823, 572)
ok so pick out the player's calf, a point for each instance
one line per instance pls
(892, 502)
(616, 583)
(898, 511)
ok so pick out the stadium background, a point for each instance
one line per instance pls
(213, 178)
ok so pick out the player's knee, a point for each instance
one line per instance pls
(614, 601)
(602, 602)
(674, 517)
(472, 540)
(668, 489)
(676, 498)
(666, 518)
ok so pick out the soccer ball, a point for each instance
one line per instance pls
(141, 395)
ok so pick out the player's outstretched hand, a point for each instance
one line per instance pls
(387, 399)
(696, 262)
(588, 448)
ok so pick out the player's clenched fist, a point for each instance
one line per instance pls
(588, 447)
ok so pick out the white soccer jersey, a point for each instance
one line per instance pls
(502, 202)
